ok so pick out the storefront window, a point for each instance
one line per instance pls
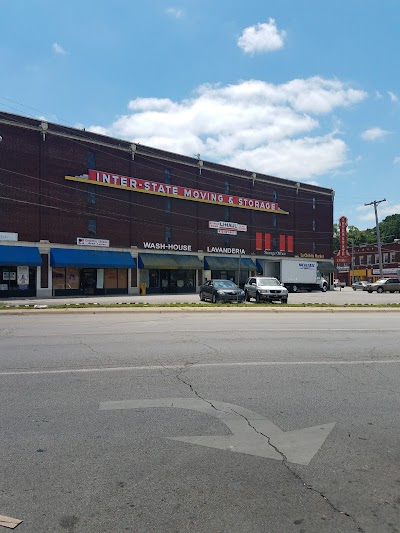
(72, 278)
(154, 278)
(17, 281)
(180, 279)
(110, 278)
(58, 278)
(224, 274)
(172, 280)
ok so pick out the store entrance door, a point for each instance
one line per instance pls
(88, 280)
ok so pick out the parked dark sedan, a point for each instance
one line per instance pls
(221, 290)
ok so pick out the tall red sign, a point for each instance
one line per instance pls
(343, 256)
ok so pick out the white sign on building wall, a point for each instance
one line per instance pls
(82, 241)
(386, 272)
(226, 228)
(6, 236)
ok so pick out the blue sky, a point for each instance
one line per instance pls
(309, 90)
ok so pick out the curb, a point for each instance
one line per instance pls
(200, 309)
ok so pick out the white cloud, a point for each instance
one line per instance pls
(373, 134)
(262, 38)
(175, 12)
(57, 49)
(378, 95)
(252, 125)
(396, 160)
(384, 210)
(393, 97)
(293, 158)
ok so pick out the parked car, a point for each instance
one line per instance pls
(221, 290)
(263, 288)
(360, 285)
(385, 285)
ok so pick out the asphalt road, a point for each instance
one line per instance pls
(93, 405)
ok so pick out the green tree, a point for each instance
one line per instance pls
(390, 228)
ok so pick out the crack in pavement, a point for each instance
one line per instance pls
(372, 369)
(179, 378)
(88, 346)
(299, 478)
(382, 389)
(284, 458)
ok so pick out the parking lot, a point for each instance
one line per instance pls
(344, 296)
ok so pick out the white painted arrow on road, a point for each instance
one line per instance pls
(249, 429)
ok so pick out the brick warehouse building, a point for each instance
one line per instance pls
(83, 213)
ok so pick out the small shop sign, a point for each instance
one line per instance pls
(169, 246)
(81, 241)
(226, 228)
(386, 271)
(6, 236)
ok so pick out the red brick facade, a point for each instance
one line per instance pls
(38, 203)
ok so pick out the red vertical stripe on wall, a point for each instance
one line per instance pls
(282, 243)
(258, 241)
(290, 243)
(267, 241)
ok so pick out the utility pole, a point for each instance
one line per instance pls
(240, 261)
(378, 233)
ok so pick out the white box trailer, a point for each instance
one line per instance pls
(296, 275)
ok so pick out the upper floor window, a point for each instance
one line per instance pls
(361, 260)
(369, 259)
(168, 205)
(275, 244)
(314, 247)
(274, 221)
(91, 196)
(314, 225)
(227, 187)
(275, 196)
(227, 240)
(392, 257)
(376, 259)
(167, 175)
(91, 161)
(227, 214)
(313, 203)
(92, 228)
(386, 258)
(168, 236)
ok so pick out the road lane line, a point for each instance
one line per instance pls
(196, 366)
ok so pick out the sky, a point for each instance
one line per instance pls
(304, 90)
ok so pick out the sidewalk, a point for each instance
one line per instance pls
(342, 298)
(103, 300)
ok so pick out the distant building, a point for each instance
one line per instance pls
(366, 263)
(82, 213)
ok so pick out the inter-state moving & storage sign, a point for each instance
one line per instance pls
(108, 179)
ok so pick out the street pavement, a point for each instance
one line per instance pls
(214, 422)
(345, 296)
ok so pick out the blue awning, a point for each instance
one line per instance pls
(228, 263)
(259, 266)
(20, 255)
(64, 257)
